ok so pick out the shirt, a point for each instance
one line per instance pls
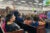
(48, 15)
(12, 27)
(34, 24)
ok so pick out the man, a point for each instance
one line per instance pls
(26, 25)
(17, 14)
(28, 21)
(23, 25)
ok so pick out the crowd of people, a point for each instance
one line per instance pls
(13, 21)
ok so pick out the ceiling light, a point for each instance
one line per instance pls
(18, 3)
(40, 3)
(30, 2)
(23, 1)
(10, 2)
(15, 0)
(34, 3)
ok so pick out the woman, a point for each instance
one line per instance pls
(41, 27)
(10, 25)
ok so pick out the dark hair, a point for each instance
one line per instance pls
(36, 18)
(27, 18)
(8, 17)
(7, 8)
(16, 13)
(35, 11)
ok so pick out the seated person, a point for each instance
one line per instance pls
(10, 25)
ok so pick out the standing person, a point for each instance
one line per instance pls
(10, 25)
(8, 9)
(35, 12)
(42, 15)
(48, 16)
(17, 14)
(35, 21)
(41, 26)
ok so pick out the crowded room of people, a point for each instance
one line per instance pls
(24, 16)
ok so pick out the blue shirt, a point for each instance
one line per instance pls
(48, 15)
(35, 24)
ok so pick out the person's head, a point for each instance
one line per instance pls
(36, 18)
(10, 17)
(16, 13)
(28, 20)
(35, 11)
(7, 8)
(42, 20)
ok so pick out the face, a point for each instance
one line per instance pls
(28, 22)
(13, 18)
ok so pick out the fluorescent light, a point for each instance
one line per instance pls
(23, 1)
(34, 3)
(30, 2)
(15, 0)
(9, 2)
(40, 3)
(18, 3)
(1, 0)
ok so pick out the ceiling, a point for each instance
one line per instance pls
(30, 3)
(24, 1)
